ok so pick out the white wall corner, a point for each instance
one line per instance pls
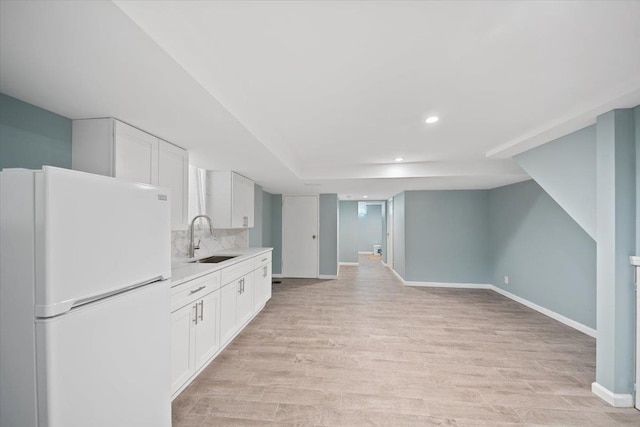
(613, 399)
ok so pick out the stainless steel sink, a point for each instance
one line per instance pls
(215, 259)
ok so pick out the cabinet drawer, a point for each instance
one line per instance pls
(194, 289)
(263, 259)
(230, 274)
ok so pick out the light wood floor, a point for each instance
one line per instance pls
(365, 350)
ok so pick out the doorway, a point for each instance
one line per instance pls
(300, 236)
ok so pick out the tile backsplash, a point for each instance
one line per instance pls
(220, 240)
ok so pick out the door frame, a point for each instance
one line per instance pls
(317, 263)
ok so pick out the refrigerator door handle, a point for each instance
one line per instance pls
(56, 309)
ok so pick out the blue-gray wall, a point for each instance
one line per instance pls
(370, 228)
(276, 233)
(616, 237)
(267, 215)
(328, 243)
(446, 236)
(31, 137)
(566, 169)
(549, 258)
(348, 238)
(399, 235)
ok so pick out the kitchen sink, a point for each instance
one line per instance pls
(215, 259)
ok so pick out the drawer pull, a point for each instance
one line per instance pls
(264, 259)
(197, 290)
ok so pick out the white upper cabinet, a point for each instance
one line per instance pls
(113, 148)
(136, 155)
(173, 173)
(230, 200)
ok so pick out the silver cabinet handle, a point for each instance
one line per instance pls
(239, 286)
(265, 271)
(197, 290)
(245, 221)
(243, 285)
(201, 310)
(264, 259)
(195, 318)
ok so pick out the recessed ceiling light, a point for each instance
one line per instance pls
(365, 197)
(432, 119)
(398, 159)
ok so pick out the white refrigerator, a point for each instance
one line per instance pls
(84, 301)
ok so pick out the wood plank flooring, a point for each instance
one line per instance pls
(366, 350)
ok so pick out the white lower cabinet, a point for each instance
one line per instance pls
(206, 316)
(228, 298)
(262, 279)
(182, 346)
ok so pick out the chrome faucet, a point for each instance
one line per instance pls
(192, 247)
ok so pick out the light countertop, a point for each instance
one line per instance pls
(183, 271)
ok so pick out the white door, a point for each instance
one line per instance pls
(300, 236)
(390, 233)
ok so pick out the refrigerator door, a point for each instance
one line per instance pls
(96, 235)
(107, 363)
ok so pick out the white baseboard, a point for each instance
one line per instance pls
(349, 263)
(449, 285)
(365, 253)
(327, 276)
(552, 314)
(277, 276)
(613, 399)
(384, 263)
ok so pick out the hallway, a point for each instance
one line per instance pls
(366, 350)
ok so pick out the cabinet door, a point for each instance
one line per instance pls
(258, 288)
(268, 280)
(173, 173)
(245, 300)
(262, 286)
(238, 201)
(228, 300)
(136, 155)
(182, 346)
(207, 338)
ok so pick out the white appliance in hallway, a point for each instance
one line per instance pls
(300, 236)
(84, 301)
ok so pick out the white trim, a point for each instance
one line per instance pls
(349, 263)
(399, 277)
(365, 253)
(327, 276)
(276, 276)
(449, 285)
(613, 399)
(552, 314)
(384, 263)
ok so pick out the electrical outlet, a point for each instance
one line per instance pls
(506, 280)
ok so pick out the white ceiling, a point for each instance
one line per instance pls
(322, 96)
